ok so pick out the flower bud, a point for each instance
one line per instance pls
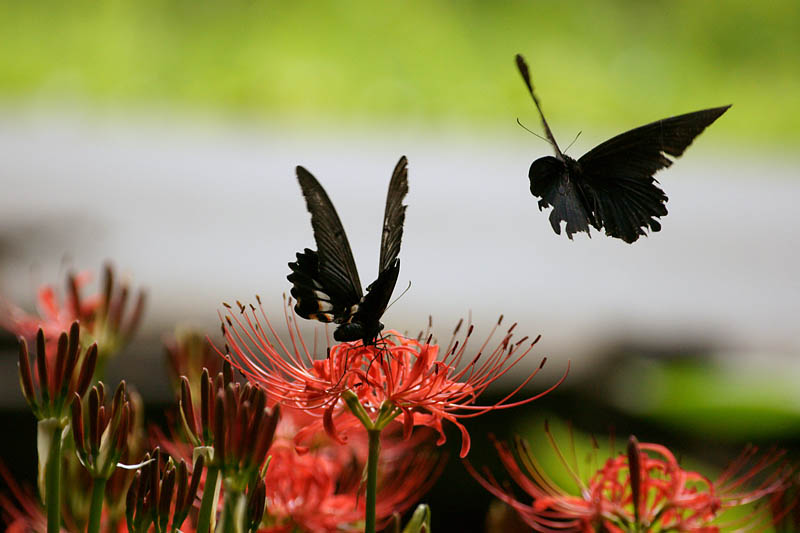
(58, 377)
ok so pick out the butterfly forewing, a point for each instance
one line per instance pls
(617, 176)
(394, 215)
(336, 276)
(522, 66)
(642, 151)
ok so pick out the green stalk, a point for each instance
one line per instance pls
(372, 478)
(208, 505)
(96, 507)
(233, 511)
(53, 483)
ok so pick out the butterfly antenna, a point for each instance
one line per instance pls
(522, 66)
(531, 131)
(573, 142)
(401, 295)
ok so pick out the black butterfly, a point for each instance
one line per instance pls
(325, 282)
(612, 185)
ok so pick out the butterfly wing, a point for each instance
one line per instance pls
(617, 176)
(324, 282)
(394, 215)
(380, 291)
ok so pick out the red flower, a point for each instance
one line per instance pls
(22, 512)
(419, 383)
(54, 316)
(322, 491)
(102, 316)
(645, 490)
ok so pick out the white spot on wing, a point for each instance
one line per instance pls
(322, 296)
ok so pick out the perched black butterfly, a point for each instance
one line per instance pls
(612, 185)
(325, 282)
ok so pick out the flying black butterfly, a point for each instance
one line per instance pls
(612, 187)
(325, 282)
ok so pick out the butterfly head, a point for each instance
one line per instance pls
(545, 171)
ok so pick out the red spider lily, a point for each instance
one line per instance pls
(645, 490)
(420, 383)
(102, 316)
(22, 512)
(322, 492)
(54, 316)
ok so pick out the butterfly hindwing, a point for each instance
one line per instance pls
(312, 301)
(625, 207)
(617, 175)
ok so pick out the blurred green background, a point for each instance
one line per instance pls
(439, 66)
(609, 63)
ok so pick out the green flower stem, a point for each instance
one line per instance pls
(233, 511)
(53, 482)
(372, 478)
(96, 507)
(208, 505)
(386, 414)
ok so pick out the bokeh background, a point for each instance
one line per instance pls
(163, 136)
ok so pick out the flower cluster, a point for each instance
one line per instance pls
(162, 493)
(100, 443)
(283, 438)
(234, 421)
(643, 490)
(105, 317)
(68, 374)
(58, 388)
(417, 383)
(322, 490)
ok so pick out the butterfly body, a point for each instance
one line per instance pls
(325, 282)
(611, 187)
(558, 183)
